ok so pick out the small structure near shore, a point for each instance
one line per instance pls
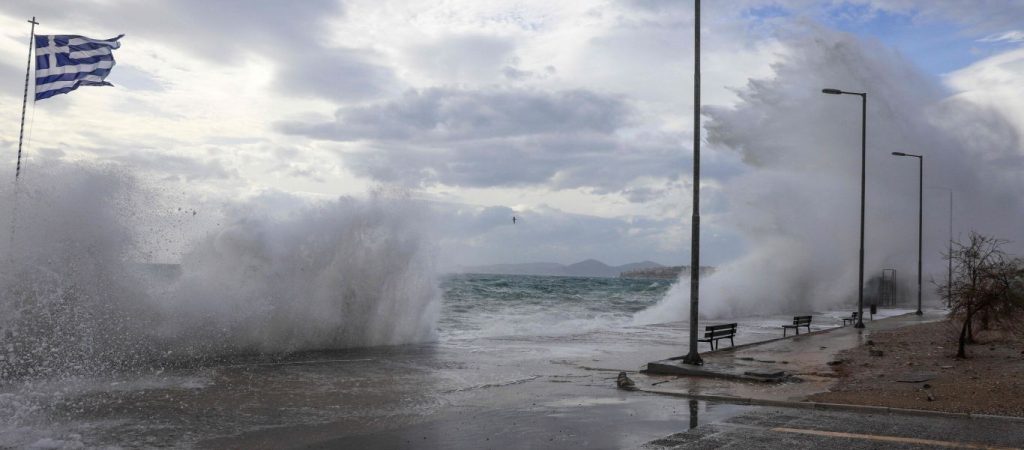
(664, 273)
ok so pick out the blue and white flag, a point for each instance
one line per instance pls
(65, 62)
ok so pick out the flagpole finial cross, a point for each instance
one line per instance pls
(33, 21)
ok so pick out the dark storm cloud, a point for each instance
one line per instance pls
(463, 56)
(510, 137)
(558, 161)
(605, 163)
(977, 16)
(293, 34)
(980, 15)
(336, 73)
(444, 115)
(217, 30)
(501, 137)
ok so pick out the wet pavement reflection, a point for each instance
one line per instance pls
(512, 392)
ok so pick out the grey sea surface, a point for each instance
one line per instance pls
(520, 362)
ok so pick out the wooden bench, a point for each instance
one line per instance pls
(851, 319)
(798, 321)
(713, 333)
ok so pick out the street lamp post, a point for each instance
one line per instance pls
(920, 219)
(693, 357)
(863, 179)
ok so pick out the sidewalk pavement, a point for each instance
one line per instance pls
(798, 365)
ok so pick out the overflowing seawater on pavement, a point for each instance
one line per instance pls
(501, 340)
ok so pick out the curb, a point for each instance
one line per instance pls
(752, 344)
(645, 368)
(821, 331)
(832, 406)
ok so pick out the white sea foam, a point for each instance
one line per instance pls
(348, 273)
(75, 300)
(797, 203)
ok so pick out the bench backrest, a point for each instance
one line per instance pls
(802, 320)
(716, 331)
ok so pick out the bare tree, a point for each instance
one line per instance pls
(987, 284)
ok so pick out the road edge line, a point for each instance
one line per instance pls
(831, 406)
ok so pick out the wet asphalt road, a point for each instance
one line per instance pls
(598, 418)
(502, 393)
(771, 428)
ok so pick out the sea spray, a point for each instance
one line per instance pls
(338, 274)
(69, 303)
(76, 297)
(797, 202)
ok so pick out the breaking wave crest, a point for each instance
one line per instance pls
(75, 299)
(796, 202)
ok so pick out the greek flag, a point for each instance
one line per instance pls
(65, 62)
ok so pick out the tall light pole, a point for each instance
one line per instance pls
(693, 357)
(863, 179)
(920, 219)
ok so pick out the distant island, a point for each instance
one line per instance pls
(664, 272)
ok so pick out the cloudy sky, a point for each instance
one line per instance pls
(574, 115)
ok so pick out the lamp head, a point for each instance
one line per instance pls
(831, 91)
(899, 154)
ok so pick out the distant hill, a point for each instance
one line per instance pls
(587, 268)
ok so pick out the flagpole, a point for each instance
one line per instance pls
(21, 136)
(24, 98)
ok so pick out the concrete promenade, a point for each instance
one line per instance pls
(778, 414)
(791, 368)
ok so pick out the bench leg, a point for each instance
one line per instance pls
(784, 330)
(731, 343)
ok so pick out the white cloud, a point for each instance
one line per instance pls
(995, 82)
(798, 205)
(583, 106)
(1009, 36)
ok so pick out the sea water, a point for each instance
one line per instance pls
(500, 341)
(478, 305)
(329, 313)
